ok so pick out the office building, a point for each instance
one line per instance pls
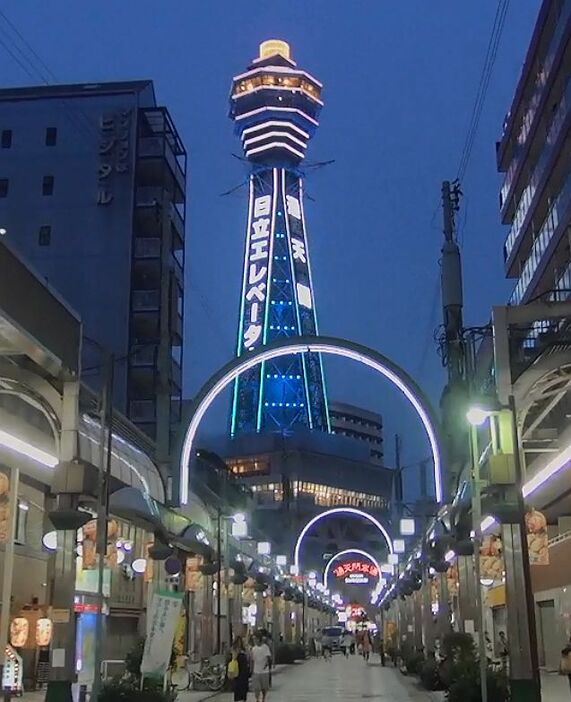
(360, 424)
(92, 194)
(535, 194)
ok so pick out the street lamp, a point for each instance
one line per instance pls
(477, 415)
(505, 442)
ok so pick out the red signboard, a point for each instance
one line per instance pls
(349, 567)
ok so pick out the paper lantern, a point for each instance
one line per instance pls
(44, 631)
(19, 630)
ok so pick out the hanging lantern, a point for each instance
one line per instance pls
(19, 631)
(44, 631)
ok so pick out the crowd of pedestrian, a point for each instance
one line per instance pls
(250, 662)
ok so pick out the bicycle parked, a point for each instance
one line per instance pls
(186, 676)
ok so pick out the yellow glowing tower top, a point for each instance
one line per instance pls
(275, 47)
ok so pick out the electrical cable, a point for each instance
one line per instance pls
(483, 85)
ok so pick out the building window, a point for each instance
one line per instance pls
(51, 136)
(6, 140)
(22, 522)
(48, 185)
(4, 183)
(45, 235)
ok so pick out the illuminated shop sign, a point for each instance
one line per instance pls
(356, 572)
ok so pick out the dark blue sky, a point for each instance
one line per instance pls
(400, 79)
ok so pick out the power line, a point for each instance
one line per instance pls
(483, 85)
(37, 69)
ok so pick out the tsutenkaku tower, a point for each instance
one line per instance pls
(275, 107)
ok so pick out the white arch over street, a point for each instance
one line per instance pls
(322, 345)
(336, 511)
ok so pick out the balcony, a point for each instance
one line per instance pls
(528, 120)
(177, 223)
(554, 223)
(142, 411)
(157, 148)
(176, 374)
(147, 248)
(145, 300)
(143, 356)
(536, 181)
(149, 196)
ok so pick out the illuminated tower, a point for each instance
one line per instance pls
(275, 107)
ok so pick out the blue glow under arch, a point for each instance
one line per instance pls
(336, 511)
(312, 344)
(359, 552)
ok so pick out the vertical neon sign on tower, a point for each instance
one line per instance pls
(275, 107)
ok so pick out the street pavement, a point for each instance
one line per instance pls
(352, 679)
(337, 679)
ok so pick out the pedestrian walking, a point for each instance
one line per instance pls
(261, 665)
(503, 650)
(367, 646)
(346, 645)
(565, 665)
(238, 671)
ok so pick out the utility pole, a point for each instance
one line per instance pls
(454, 397)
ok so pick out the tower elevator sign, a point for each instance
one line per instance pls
(257, 265)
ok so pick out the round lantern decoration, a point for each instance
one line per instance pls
(44, 631)
(172, 565)
(19, 631)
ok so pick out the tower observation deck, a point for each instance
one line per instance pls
(275, 107)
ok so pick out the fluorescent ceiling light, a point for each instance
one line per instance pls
(26, 449)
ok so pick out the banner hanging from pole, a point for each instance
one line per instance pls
(162, 623)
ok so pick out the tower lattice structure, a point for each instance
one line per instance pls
(275, 107)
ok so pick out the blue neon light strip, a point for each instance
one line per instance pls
(314, 310)
(295, 302)
(268, 290)
(242, 305)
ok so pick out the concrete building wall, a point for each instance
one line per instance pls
(87, 258)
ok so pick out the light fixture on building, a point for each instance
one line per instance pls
(407, 527)
(281, 561)
(264, 548)
(139, 565)
(49, 541)
(399, 546)
(294, 570)
(393, 559)
(476, 416)
(26, 449)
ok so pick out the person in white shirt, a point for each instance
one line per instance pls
(261, 664)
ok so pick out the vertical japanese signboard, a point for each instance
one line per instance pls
(161, 627)
(257, 266)
(303, 290)
(255, 293)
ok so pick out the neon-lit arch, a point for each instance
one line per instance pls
(353, 511)
(321, 344)
(359, 552)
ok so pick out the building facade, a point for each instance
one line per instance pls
(360, 424)
(535, 195)
(275, 107)
(92, 193)
(294, 479)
